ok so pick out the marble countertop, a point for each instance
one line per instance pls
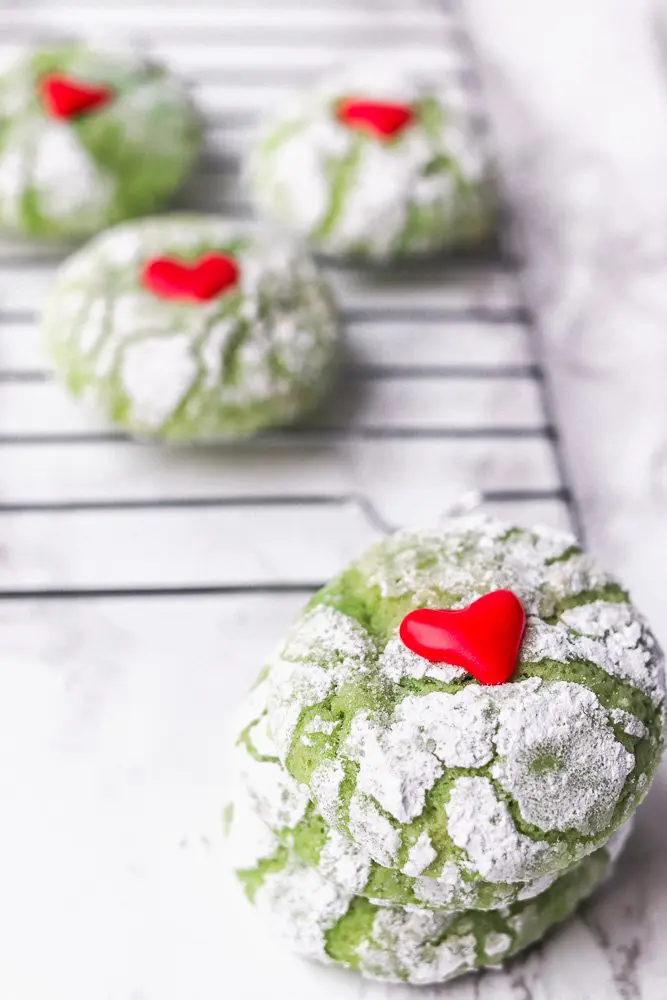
(140, 593)
(578, 97)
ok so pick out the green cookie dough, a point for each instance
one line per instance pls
(351, 193)
(325, 919)
(284, 806)
(436, 775)
(257, 355)
(70, 177)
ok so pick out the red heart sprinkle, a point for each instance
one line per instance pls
(381, 119)
(64, 97)
(201, 280)
(483, 638)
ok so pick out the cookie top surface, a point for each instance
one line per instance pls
(88, 138)
(313, 906)
(374, 162)
(405, 756)
(192, 327)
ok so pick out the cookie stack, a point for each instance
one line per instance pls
(444, 757)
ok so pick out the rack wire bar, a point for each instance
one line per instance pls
(142, 587)
(443, 390)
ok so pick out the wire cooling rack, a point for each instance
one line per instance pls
(442, 393)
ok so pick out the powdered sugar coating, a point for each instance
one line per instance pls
(570, 742)
(372, 830)
(420, 856)
(560, 759)
(278, 800)
(282, 803)
(630, 724)
(58, 157)
(342, 862)
(471, 555)
(156, 375)
(397, 662)
(72, 177)
(393, 769)
(620, 641)
(348, 192)
(325, 785)
(304, 906)
(481, 825)
(256, 355)
(395, 949)
(496, 944)
(321, 918)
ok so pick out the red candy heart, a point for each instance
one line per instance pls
(483, 638)
(64, 97)
(202, 280)
(381, 119)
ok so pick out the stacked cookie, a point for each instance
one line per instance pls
(395, 815)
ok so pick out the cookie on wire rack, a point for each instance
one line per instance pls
(192, 328)
(374, 163)
(89, 137)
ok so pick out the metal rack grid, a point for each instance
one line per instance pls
(442, 393)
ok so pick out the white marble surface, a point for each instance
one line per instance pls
(115, 712)
(578, 94)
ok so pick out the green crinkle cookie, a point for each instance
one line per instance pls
(353, 192)
(72, 176)
(284, 806)
(327, 920)
(258, 354)
(433, 774)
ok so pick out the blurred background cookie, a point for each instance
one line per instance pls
(192, 327)
(373, 162)
(88, 138)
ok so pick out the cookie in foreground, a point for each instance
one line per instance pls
(283, 804)
(192, 328)
(435, 772)
(322, 919)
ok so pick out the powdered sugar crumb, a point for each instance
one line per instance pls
(629, 723)
(496, 944)
(393, 767)
(397, 662)
(344, 863)
(325, 785)
(616, 638)
(396, 947)
(481, 825)
(157, 373)
(420, 855)
(373, 831)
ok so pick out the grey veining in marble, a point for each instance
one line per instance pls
(578, 96)
(115, 713)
